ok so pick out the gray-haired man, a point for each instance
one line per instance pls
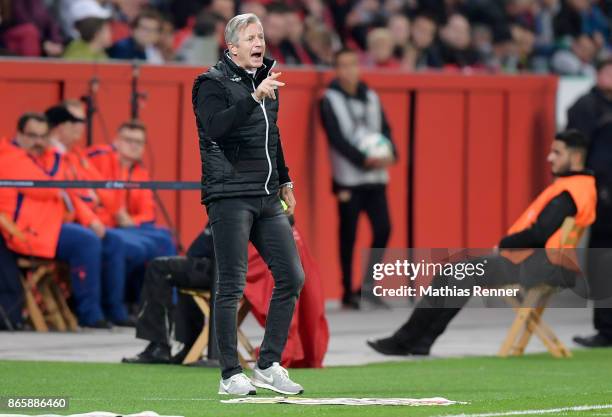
(243, 175)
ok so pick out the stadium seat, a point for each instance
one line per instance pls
(202, 299)
(530, 305)
(45, 302)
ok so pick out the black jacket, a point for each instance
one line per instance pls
(589, 112)
(240, 143)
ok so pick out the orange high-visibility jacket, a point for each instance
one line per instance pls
(139, 203)
(584, 193)
(55, 166)
(38, 213)
(100, 201)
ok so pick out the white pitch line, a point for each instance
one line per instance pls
(536, 412)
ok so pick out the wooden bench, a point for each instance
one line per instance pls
(45, 303)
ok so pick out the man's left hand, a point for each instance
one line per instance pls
(286, 194)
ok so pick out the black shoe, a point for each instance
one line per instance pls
(154, 353)
(597, 340)
(180, 356)
(351, 302)
(129, 322)
(100, 324)
(388, 346)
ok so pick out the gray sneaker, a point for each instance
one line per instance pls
(238, 384)
(275, 378)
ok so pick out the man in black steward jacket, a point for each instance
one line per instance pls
(243, 175)
(592, 115)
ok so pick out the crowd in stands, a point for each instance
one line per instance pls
(106, 237)
(562, 36)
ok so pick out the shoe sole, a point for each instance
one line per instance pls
(243, 395)
(272, 388)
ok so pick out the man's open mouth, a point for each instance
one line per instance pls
(256, 55)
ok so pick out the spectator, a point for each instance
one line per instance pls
(17, 39)
(505, 57)
(295, 36)
(544, 23)
(353, 117)
(278, 45)
(166, 41)
(456, 43)
(422, 52)
(142, 44)
(202, 46)
(365, 15)
(380, 49)
(223, 8)
(91, 22)
(578, 60)
(441, 10)
(578, 17)
(319, 43)
(524, 39)
(36, 12)
(482, 42)
(399, 27)
(255, 7)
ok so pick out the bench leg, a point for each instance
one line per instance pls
(34, 313)
(195, 353)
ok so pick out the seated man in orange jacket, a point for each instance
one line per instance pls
(66, 130)
(41, 214)
(123, 161)
(572, 194)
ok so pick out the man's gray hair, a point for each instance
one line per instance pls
(236, 24)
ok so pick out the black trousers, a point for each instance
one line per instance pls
(433, 314)
(600, 275)
(235, 221)
(351, 203)
(156, 316)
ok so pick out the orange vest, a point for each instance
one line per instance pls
(582, 189)
(139, 204)
(38, 213)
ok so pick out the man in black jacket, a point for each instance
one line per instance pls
(243, 174)
(592, 115)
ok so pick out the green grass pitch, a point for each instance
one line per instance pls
(489, 384)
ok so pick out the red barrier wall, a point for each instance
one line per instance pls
(471, 148)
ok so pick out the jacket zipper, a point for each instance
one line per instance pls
(263, 108)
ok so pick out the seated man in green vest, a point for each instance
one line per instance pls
(572, 194)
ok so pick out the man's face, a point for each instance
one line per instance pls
(422, 32)
(130, 144)
(347, 69)
(148, 32)
(276, 28)
(559, 158)
(34, 138)
(251, 47)
(77, 129)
